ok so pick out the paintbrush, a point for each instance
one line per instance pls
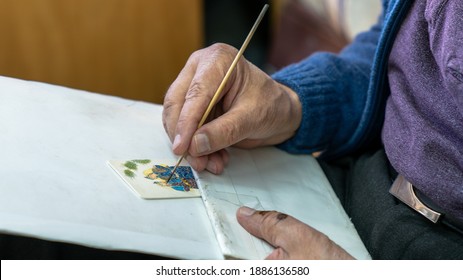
(225, 79)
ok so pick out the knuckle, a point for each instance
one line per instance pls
(167, 116)
(167, 106)
(194, 56)
(183, 122)
(222, 48)
(269, 219)
(164, 123)
(220, 52)
(215, 50)
(196, 90)
(271, 226)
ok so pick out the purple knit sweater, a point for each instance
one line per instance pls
(423, 129)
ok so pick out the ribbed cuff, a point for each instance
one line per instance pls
(320, 105)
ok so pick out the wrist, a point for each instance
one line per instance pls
(294, 114)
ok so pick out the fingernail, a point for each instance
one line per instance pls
(192, 162)
(176, 142)
(246, 211)
(202, 143)
(212, 167)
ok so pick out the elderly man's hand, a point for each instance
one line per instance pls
(291, 238)
(253, 109)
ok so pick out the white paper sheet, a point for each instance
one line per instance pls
(55, 183)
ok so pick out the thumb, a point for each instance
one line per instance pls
(267, 225)
(220, 133)
(291, 238)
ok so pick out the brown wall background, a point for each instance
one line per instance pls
(128, 48)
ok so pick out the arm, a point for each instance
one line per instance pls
(333, 90)
(256, 110)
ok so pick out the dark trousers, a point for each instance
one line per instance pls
(388, 228)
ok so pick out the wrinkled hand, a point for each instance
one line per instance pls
(291, 238)
(253, 110)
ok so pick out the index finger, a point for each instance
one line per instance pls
(211, 67)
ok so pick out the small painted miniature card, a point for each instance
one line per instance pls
(148, 179)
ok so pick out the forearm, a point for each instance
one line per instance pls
(332, 90)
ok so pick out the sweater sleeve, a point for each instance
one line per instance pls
(332, 89)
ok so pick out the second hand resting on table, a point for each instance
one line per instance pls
(254, 110)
